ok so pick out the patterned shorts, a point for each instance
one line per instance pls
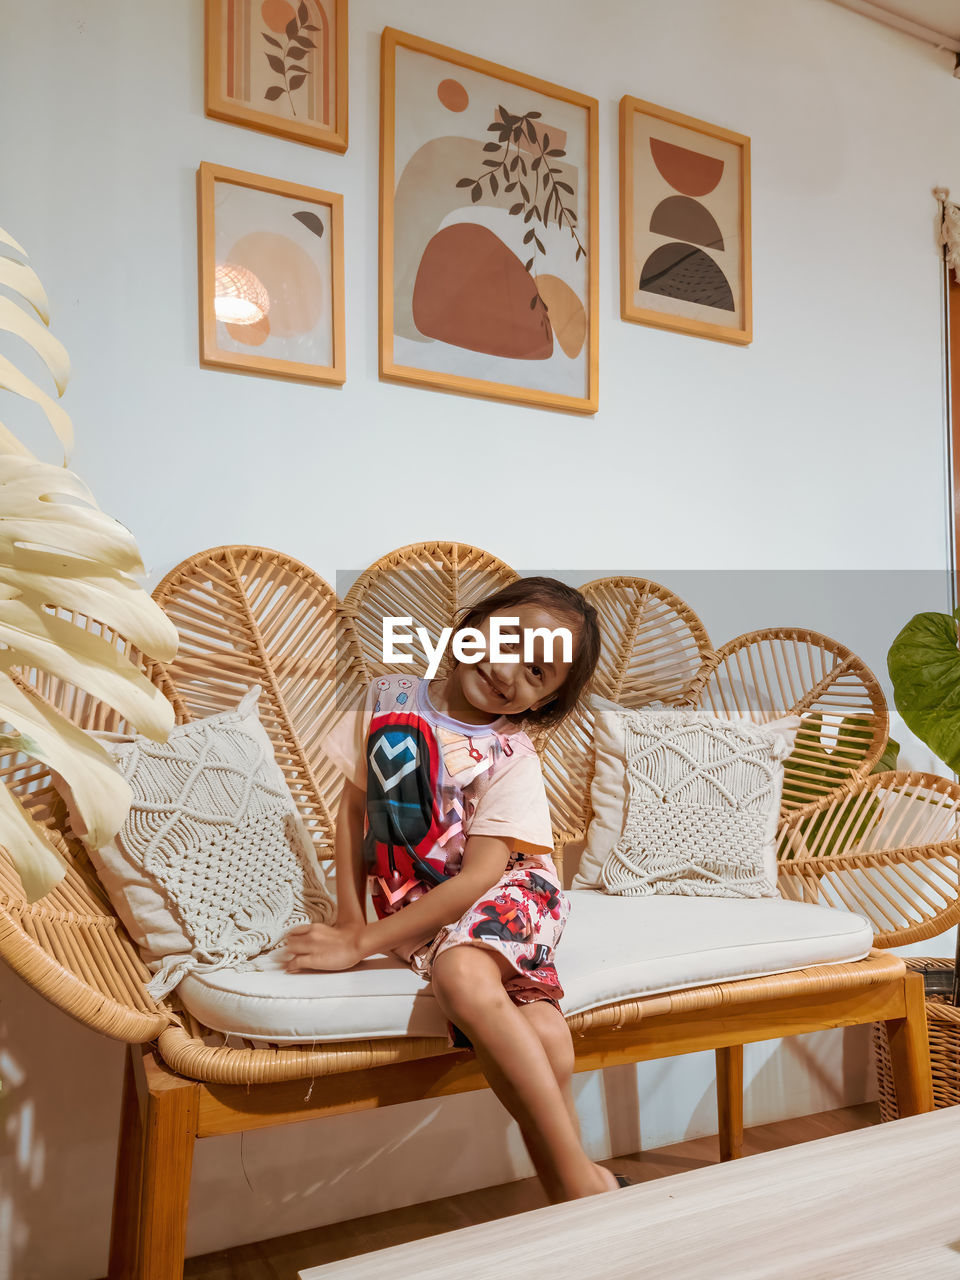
(521, 917)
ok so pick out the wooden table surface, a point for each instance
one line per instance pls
(882, 1202)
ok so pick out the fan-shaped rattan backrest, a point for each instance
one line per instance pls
(900, 862)
(430, 582)
(250, 616)
(791, 671)
(653, 648)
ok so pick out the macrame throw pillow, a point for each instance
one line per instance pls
(213, 866)
(684, 803)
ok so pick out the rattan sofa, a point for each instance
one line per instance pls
(252, 616)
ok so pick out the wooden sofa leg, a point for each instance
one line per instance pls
(170, 1130)
(910, 1051)
(125, 1227)
(730, 1101)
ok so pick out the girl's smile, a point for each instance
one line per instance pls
(479, 692)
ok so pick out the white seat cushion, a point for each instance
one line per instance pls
(613, 948)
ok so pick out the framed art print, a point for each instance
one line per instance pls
(279, 66)
(488, 229)
(271, 276)
(684, 223)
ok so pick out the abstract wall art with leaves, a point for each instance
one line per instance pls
(280, 66)
(488, 232)
(684, 224)
(271, 276)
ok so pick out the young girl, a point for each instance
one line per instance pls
(444, 809)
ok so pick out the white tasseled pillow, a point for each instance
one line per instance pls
(213, 866)
(684, 802)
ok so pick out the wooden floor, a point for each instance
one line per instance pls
(283, 1257)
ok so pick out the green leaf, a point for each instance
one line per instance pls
(924, 665)
(815, 767)
(850, 823)
(888, 761)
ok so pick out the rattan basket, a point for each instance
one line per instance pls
(943, 1029)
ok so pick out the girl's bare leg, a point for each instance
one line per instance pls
(468, 984)
(554, 1034)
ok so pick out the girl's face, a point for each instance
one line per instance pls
(511, 688)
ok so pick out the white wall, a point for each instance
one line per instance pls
(818, 447)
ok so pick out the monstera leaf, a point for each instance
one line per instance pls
(61, 556)
(924, 665)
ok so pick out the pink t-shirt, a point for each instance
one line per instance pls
(431, 782)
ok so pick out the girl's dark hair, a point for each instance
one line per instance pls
(569, 603)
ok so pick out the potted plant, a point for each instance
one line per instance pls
(924, 665)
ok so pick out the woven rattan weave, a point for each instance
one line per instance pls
(943, 1030)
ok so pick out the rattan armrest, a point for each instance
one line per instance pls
(887, 848)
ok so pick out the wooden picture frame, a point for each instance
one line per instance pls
(684, 224)
(288, 258)
(283, 75)
(460, 310)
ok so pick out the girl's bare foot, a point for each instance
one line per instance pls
(609, 1179)
(592, 1182)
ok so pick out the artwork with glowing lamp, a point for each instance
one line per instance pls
(239, 297)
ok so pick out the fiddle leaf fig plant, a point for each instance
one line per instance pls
(924, 665)
(63, 561)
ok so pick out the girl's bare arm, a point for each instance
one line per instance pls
(348, 856)
(484, 862)
(322, 946)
